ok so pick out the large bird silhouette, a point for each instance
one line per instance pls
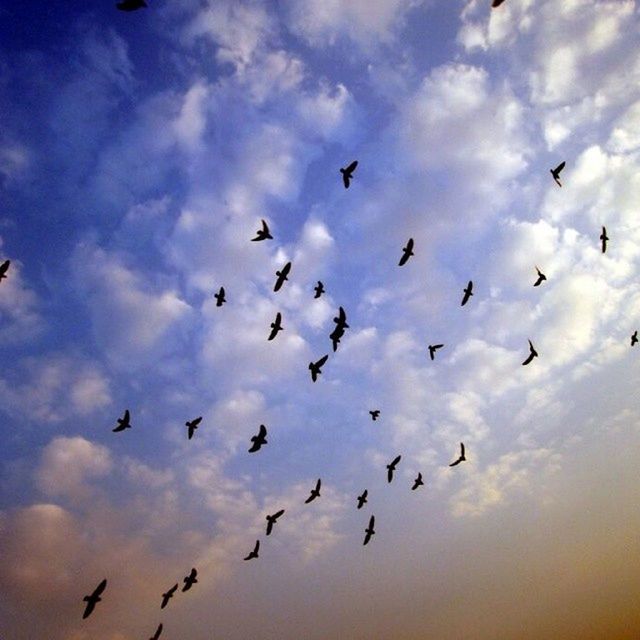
(192, 425)
(556, 173)
(369, 530)
(168, 595)
(315, 493)
(276, 326)
(392, 467)
(316, 367)
(407, 252)
(461, 458)
(271, 520)
(532, 354)
(262, 234)
(93, 599)
(123, 423)
(254, 554)
(347, 173)
(468, 292)
(282, 276)
(259, 440)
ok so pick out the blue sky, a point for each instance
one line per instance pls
(138, 154)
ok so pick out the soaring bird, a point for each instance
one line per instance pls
(3, 269)
(262, 234)
(392, 467)
(254, 554)
(461, 458)
(131, 5)
(341, 319)
(123, 423)
(193, 425)
(374, 414)
(369, 530)
(363, 498)
(315, 493)
(556, 173)
(604, 238)
(259, 440)
(634, 337)
(532, 354)
(417, 482)
(93, 599)
(407, 252)
(433, 348)
(319, 289)
(541, 278)
(315, 367)
(271, 520)
(167, 596)
(190, 580)
(468, 292)
(276, 326)
(220, 299)
(335, 336)
(282, 276)
(347, 173)
(156, 635)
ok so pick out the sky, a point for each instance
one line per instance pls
(139, 153)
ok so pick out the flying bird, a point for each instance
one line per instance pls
(4, 268)
(362, 499)
(461, 458)
(341, 319)
(315, 367)
(156, 635)
(407, 252)
(541, 278)
(193, 425)
(271, 520)
(282, 276)
(254, 554)
(417, 482)
(190, 580)
(123, 423)
(93, 599)
(167, 596)
(131, 5)
(634, 337)
(369, 530)
(347, 173)
(319, 289)
(220, 299)
(276, 326)
(262, 234)
(315, 493)
(532, 354)
(556, 173)
(392, 467)
(375, 414)
(259, 440)
(335, 336)
(468, 292)
(433, 348)
(604, 238)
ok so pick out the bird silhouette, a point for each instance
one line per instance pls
(417, 482)
(375, 414)
(193, 425)
(541, 278)
(276, 326)
(532, 354)
(220, 299)
(335, 336)
(433, 348)
(168, 595)
(407, 252)
(468, 292)
(282, 276)
(262, 234)
(319, 289)
(556, 173)
(315, 367)
(156, 635)
(271, 520)
(131, 5)
(362, 499)
(315, 493)
(347, 173)
(634, 337)
(341, 319)
(4, 268)
(254, 554)
(604, 238)
(461, 458)
(369, 530)
(93, 599)
(123, 423)
(392, 467)
(259, 440)
(190, 580)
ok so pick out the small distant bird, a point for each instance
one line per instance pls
(315, 367)
(634, 337)
(347, 173)
(193, 425)
(123, 423)
(556, 173)
(3, 269)
(341, 319)
(190, 580)
(417, 482)
(315, 493)
(93, 599)
(369, 530)
(433, 348)
(532, 354)
(407, 252)
(604, 238)
(468, 292)
(276, 326)
(262, 234)
(375, 414)
(167, 596)
(461, 458)
(335, 336)
(541, 278)
(220, 299)
(131, 5)
(496, 3)
(363, 498)
(259, 440)
(282, 276)
(156, 635)
(271, 520)
(254, 554)
(392, 467)
(319, 289)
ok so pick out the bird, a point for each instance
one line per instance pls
(532, 354)
(417, 482)
(335, 336)
(262, 234)
(93, 599)
(392, 467)
(341, 319)
(369, 530)
(347, 173)
(433, 348)
(375, 414)
(407, 252)
(271, 520)
(190, 580)
(315, 367)
(259, 440)
(634, 337)
(362, 499)
(123, 423)
(3, 269)
(556, 172)
(467, 293)
(254, 553)
(315, 493)
(193, 425)
(496, 3)
(131, 5)
(156, 635)
(167, 596)
(276, 326)
(461, 458)
(319, 290)
(541, 278)
(282, 276)
(220, 299)
(604, 238)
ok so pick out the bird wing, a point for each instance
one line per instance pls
(372, 522)
(269, 526)
(352, 167)
(318, 484)
(345, 179)
(410, 245)
(257, 547)
(453, 464)
(126, 416)
(462, 449)
(273, 334)
(529, 359)
(156, 635)
(262, 432)
(560, 167)
(278, 514)
(265, 228)
(342, 316)
(100, 588)
(396, 460)
(4, 267)
(389, 473)
(286, 269)
(322, 360)
(367, 537)
(91, 605)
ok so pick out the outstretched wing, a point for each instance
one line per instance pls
(4, 267)
(396, 460)
(127, 416)
(156, 635)
(322, 360)
(462, 450)
(560, 167)
(262, 433)
(352, 167)
(278, 514)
